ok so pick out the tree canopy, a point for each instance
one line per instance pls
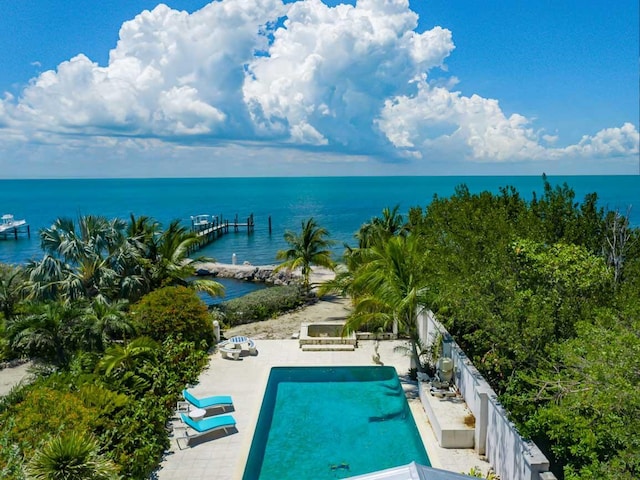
(542, 295)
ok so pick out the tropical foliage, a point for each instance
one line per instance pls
(104, 260)
(390, 287)
(173, 311)
(124, 401)
(71, 456)
(310, 247)
(104, 392)
(542, 294)
(260, 305)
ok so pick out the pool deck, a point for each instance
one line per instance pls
(245, 380)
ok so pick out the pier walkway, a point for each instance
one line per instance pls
(210, 227)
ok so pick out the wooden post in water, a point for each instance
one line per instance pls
(269, 224)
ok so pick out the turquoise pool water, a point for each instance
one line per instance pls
(332, 422)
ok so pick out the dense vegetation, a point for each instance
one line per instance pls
(259, 305)
(111, 317)
(116, 335)
(544, 297)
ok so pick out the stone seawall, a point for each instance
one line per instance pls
(249, 273)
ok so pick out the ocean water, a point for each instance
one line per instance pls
(340, 204)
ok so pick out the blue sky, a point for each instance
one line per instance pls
(258, 87)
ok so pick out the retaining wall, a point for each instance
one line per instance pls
(495, 436)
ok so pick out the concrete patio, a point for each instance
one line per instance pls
(245, 380)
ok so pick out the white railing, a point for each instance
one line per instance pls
(496, 437)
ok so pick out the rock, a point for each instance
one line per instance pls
(247, 272)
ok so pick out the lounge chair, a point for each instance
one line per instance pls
(223, 402)
(220, 425)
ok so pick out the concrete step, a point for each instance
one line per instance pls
(328, 348)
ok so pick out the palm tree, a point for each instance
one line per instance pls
(71, 456)
(389, 287)
(380, 228)
(308, 248)
(89, 260)
(375, 232)
(102, 323)
(11, 289)
(165, 257)
(103, 260)
(47, 333)
(122, 366)
(127, 357)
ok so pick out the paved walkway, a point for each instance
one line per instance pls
(245, 380)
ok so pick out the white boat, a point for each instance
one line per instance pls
(8, 222)
(200, 220)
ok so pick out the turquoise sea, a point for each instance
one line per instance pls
(341, 204)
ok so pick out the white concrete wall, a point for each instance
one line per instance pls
(496, 437)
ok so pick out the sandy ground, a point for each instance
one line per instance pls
(284, 326)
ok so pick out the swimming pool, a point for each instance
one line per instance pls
(332, 422)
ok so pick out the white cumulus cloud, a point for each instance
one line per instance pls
(357, 79)
(330, 69)
(170, 74)
(608, 142)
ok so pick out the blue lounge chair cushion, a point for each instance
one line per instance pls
(210, 423)
(207, 402)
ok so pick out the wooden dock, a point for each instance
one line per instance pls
(210, 227)
(12, 228)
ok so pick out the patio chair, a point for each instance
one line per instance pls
(216, 427)
(208, 404)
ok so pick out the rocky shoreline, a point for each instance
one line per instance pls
(249, 273)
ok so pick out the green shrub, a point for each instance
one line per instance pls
(174, 311)
(45, 412)
(138, 438)
(72, 455)
(261, 304)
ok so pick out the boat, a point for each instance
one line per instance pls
(8, 222)
(13, 227)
